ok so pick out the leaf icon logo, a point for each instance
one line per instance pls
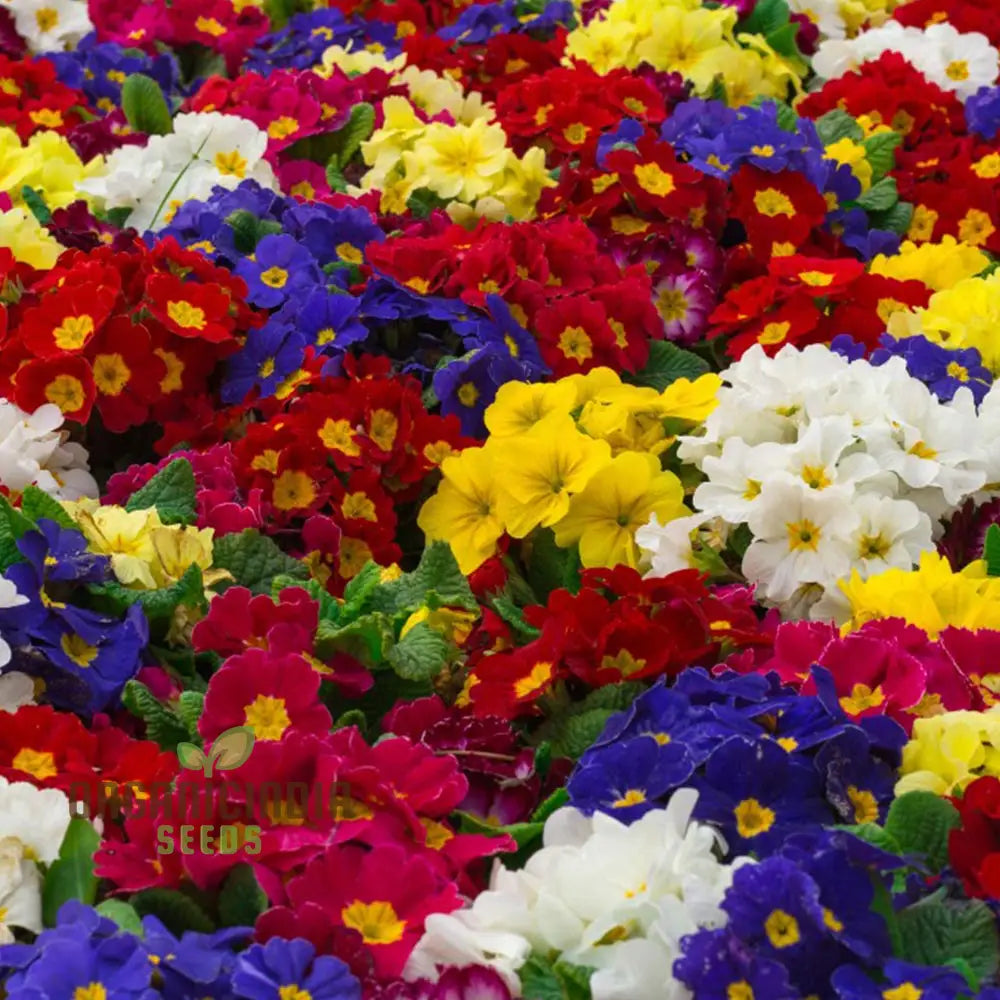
(229, 750)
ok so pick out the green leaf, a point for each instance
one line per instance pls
(872, 833)
(122, 913)
(991, 550)
(896, 219)
(436, 582)
(573, 730)
(522, 833)
(936, 931)
(420, 654)
(71, 876)
(145, 106)
(242, 900)
(171, 491)
(551, 568)
(36, 205)
(177, 912)
(555, 801)
(13, 524)
(367, 639)
(335, 176)
(189, 708)
(358, 127)
(159, 605)
(837, 125)
(423, 201)
(881, 196)
(542, 979)
(254, 560)
(37, 504)
(920, 823)
(766, 16)
(667, 363)
(880, 149)
(249, 230)
(514, 617)
(358, 591)
(162, 725)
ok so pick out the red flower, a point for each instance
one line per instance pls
(776, 208)
(271, 694)
(66, 381)
(974, 848)
(574, 336)
(65, 321)
(190, 309)
(384, 894)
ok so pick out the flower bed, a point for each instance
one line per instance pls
(499, 500)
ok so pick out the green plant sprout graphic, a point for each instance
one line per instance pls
(228, 751)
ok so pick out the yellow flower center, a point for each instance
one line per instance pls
(753, 818)
(803, 536)
(376, 922)
(39, 764)
(268, 717)
(782, 929)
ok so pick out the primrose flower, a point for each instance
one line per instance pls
(947, 752)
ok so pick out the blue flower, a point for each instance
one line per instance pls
(628, 132)
(84, 957)
(943, 370)
(924, 981)
(330, 321)
(982, 112)
(629, 778)
(193, 965)
(717, 965)
(280, 269)
(757, 794)
(469, 384)
(333, 235)
(847, 347)
(269, 355)
(61, 555)
(500, 329)
(858, 785)
(265, 972)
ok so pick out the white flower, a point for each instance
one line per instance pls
(37, 817)
(16, 689)
(613, 897)
(204, 151)
(825, 14)
(962, 62)
(20, 890)
(33, 452)
(668, 547)
(51, 25)
(800, 537)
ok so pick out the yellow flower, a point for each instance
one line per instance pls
(687, 400)
(459, 161)
(847, 151)
(695, 43)
(948, 751)
(354, 62)
(937, 265)
(178, 548)
(453, 623)
(604, 44)
(617, 501)
(125, 536)
(542, 469)
(965, 315)
(932, 597)
(520, 405)
(23, 235)
(463, 511)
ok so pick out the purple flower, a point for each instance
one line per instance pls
(265, 972)
(280, 269)
(982, 112)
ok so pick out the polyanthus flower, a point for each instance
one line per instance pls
(280, 970)
(947, 752)
(617, 501)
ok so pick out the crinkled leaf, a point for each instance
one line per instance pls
(162, 725)
(13, 524)
(37, 504)
(420, 654)
(232, 748)
(571, 735)
(551, 567)
(242, 900)
(437, 581)
(542, 979)
(177, 912)
(895, 220)
(159, 605)
(171, 491)
(919, 822)
(145, 106)
(367, 639)
(358, 592)
(872, 833)
(935, 931)
(189, 708)
(837, 125)
(880, 150)
(71, 875)
(666, 363)
(881, 196)
(514, 617)
(122, 913)
(354, 132)
(254, 560)
(36, 205)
